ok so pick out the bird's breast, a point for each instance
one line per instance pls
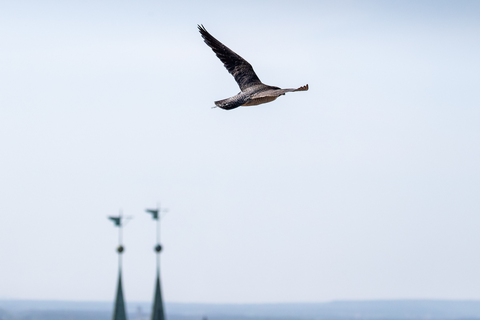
(255, 102)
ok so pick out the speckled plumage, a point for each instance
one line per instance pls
(253, 91)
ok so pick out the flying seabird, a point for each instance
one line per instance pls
(253, 91)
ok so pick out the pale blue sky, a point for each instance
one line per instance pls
(364, 187)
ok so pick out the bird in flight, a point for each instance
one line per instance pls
(253, 91)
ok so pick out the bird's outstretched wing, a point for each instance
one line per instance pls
(277, 92)
(238, 67)
(302, 88)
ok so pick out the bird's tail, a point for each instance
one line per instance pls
(221, 103)
(227, 104)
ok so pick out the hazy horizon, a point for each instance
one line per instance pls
(186, 311)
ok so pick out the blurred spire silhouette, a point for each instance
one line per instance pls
(158, 312)
(119, 308)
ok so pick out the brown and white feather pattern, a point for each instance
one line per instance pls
(253, 91)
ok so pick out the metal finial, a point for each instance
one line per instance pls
(154, 213)
(116, 220)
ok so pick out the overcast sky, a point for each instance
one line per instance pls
(364, 187)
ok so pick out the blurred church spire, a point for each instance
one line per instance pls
(119, 308)
(158, 312)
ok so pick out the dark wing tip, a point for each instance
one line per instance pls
(202, 29)
(304, 88)
(207, 37)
